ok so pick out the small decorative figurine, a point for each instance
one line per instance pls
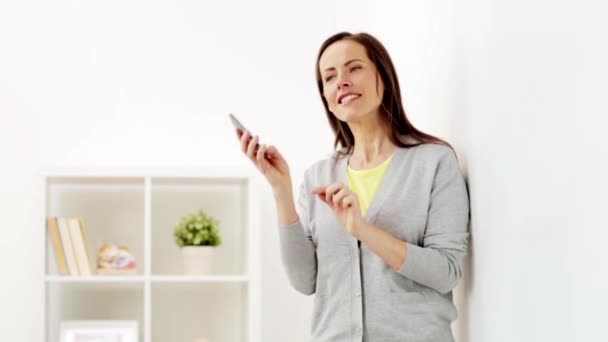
(115, 260)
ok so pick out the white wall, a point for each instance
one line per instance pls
(590, 232)
(516, 87)
(140, 83)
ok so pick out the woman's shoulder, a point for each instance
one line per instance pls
(436, 150)
(427, 156)
(430, 149)
(431, 158)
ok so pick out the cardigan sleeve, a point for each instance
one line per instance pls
(438, 262)
(297, 248)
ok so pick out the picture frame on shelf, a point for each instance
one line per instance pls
(99, 331)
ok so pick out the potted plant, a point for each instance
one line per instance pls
(197, 234)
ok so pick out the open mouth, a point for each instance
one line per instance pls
(344, 100)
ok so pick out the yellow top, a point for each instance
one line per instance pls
(365, 183)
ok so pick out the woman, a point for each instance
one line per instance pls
(380, 230)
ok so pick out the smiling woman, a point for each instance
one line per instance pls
(358, 65)
(361, 91)
(380, 228)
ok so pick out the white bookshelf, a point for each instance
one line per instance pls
(139, 208)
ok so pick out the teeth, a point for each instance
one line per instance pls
(348, 98)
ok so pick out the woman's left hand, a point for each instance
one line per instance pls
(344, 203)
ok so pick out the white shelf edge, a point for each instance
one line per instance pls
(232, 172)
(147, 330)
(199, 279)
(142, 279)
(154, 279)
(147, 312)
(94, 279)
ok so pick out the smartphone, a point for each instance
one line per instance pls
(237, 123)
(240, 126)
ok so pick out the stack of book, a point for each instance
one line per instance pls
(71, 246)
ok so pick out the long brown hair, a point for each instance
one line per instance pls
(394, 119)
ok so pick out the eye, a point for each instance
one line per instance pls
(329, 78)
(357, 67)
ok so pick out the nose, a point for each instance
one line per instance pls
(343, 82)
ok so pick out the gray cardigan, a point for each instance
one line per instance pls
(422, 200)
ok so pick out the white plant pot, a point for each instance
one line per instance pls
(198, 259)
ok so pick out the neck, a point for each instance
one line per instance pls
(372, 143)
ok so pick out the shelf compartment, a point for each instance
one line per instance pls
(93, 301)
(112, 209)
(224, 199)
(186, 311)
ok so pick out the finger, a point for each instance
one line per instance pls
(319, 190)
(338, 196)
(244, 141)
(260, 158)
(333, 188)
(273, 152)
(321, 196)
(251, 148)
(348, 201)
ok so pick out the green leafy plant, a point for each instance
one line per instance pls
(198, 229)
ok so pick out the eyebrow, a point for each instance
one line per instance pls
(345, 64)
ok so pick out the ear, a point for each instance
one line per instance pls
(379, 86)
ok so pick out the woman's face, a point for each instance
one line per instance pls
(349, 81)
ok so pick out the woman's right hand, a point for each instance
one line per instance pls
(268, 160)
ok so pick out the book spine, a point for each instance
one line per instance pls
(87, 246)
(82, 261)
(57, 248)
(66, 242)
